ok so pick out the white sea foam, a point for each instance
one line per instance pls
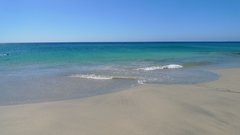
(141, 81)
(92, 76)
(101, 77)
(150, 68)
(3, 54)
(170, 66)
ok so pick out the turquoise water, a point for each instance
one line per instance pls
(102, 53)
(50, 71)
(86, 53)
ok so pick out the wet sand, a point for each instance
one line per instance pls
(211, 108)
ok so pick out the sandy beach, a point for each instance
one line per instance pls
(209, 108)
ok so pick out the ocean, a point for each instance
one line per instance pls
(38, 72)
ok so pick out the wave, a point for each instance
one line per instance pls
(101, 77)
(141, 81)
(170, 66)
(92, 76)
(3, 54)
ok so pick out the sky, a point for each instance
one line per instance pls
(119, 20)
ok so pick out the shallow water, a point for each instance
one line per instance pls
(37, 72)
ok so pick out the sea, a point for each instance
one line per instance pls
(40, 72)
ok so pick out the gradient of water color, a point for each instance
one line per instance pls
(36, 72)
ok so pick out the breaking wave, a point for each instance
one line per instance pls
(101, 77)
(141, 81)
(3, 54)
(170, 66)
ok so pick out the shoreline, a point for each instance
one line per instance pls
(204, 108)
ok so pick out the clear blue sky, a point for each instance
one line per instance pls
(119, 20)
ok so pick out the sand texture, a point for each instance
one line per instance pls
(203, 109)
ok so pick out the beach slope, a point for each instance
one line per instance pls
(209, 108)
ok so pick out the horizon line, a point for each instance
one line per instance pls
(40, 42)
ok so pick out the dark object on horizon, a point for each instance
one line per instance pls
(5, 54)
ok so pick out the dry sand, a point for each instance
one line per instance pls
(203, 109)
